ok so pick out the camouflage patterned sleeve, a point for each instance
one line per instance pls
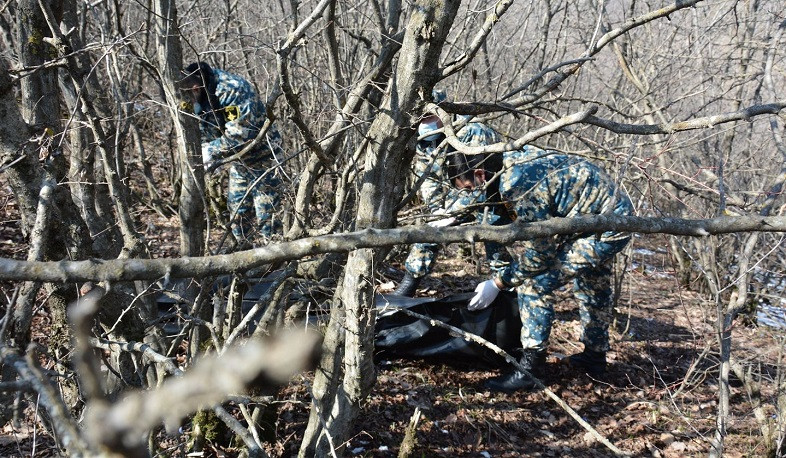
(523, 183)
(533, 257)
(245, 115)
(478, 134)
(431, 162)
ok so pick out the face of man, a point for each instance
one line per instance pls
(196, 91)
(464, 183)
(194, 82)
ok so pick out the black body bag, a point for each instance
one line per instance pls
(399, 335)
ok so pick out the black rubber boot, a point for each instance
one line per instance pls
(407, 286)
(534, 361)
(593, 362)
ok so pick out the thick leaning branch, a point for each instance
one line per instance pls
(260, 362)
(293, 101)
(588, 117)
(513, 145)
(23, 309)
(151, 269)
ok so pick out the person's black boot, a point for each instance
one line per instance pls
(534, 361)
(407, 286)
(593, 362)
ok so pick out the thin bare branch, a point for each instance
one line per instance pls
(530, 137)
(477, 42)
(699, 123)
(68, 433)
(146, 350)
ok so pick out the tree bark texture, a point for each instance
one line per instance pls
(87, 190)
(386, 165)
(192, 178)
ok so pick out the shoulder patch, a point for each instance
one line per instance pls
(232, 112)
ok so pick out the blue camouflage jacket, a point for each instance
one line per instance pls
(242, 114)
(541, 184)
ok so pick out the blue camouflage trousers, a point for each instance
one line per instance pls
(587, 262)
(252, 199)
(421, 256)
(421, 259)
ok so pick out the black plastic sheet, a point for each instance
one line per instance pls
(399, 335)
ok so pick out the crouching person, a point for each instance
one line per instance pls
(436, 192)
(537, 185)
(231, 115)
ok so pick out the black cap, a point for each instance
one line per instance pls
(196, 74)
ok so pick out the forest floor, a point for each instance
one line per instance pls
(658, 397)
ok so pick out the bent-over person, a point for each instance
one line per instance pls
(537, 185)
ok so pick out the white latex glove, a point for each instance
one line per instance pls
(207, 158)
(445, 222)
(485, 293)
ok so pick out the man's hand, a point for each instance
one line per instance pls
(485, 293)
(445, 222)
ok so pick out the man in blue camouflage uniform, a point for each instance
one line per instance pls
(231, 115)
(538, 185)
(439, 195)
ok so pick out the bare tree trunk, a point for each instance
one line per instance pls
(43, 159)
(192, 176)
(30, 134)
(89, 195)
(38, 105)
(386, 164)
(89, 102)
(722, 419)
(191, 209)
